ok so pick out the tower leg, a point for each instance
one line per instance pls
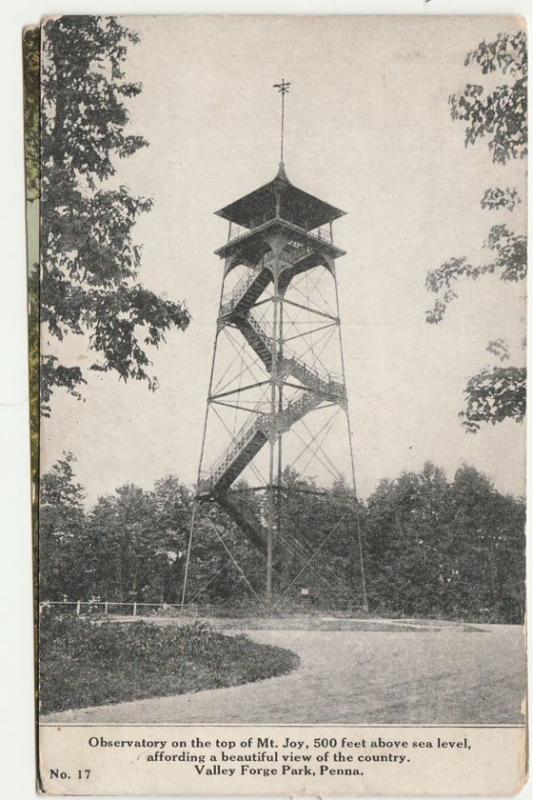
(352, 460)
(202, 450)
(270, 529)
(188, 559)
(272, 443)
(357, 520)
(280, 409)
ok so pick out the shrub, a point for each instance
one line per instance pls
(85, 663)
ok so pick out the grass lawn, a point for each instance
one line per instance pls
(85, 663)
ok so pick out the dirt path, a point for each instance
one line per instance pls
(448, 675)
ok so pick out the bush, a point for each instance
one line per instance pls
(85, 663)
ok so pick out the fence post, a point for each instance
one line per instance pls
(106, 606)
(78, 606)
(135, 609)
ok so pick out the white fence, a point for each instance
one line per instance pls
(105, 606)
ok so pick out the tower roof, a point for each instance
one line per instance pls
(295, 205)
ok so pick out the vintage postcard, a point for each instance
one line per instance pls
(281, 362)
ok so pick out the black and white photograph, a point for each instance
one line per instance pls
(277, 292)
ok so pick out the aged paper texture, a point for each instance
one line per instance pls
(282, 396)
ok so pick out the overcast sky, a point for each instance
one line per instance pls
(368, 129)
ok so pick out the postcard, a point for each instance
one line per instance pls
(277, 289)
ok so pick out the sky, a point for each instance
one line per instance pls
(368, 129)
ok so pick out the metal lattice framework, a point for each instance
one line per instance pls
(277, 398)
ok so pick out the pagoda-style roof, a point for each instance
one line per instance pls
(296, 206)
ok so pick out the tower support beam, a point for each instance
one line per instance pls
(272, 437)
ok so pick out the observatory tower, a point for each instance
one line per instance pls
(277, 397)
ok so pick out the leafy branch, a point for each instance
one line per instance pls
(90, 263)
(499, 116)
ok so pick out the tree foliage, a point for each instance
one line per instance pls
(509, 262)
(494, 395)
(62, 532)
(433, 547)
(500, 118)
(90, 263)
(500, 115)
(446, 549)
(136, 541)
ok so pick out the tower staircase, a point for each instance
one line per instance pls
(251, 286)
(254, 533)
(249, 440)
(289, 363)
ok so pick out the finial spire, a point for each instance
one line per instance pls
(283, 89)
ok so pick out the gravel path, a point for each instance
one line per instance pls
(447, 675)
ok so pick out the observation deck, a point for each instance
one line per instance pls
(277, 208)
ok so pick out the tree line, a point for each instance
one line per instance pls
(432, 547)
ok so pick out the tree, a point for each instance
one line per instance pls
(500, 118)
(434, 548)
(173, 508)
(408, 538)
(446, 549)
(89, 262)
(125, 539)
(489, 546)
(61, 533)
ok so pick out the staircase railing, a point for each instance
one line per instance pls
(238, 231)
(292, 410)
(328, 382)
(243, 437)
(299, 251)
(240, 289)
(322, 233)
